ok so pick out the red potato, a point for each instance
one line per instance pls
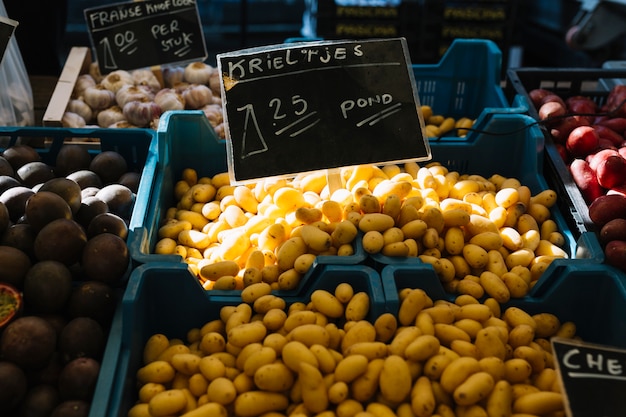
(606, 144)
(560, 131)
(594, 159)
(586, 180)
(617, 124)
(606, 208)
(622, 151)
(582, 106)
(611, 171)
(551, 110)
(608, 133)
(552, 98)
(616, 101)
(615, 254)
(582, 141)
(536, 96)
(613, 230)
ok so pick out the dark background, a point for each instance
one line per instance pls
(49, 28)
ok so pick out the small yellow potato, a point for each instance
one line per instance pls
(369, 203)
(256, 403)
(310, 334)
(414, 229)
(521, 335)
(547, 324)
(326, 359)
(494, 286)
(186, 363)
(358, 307)
(289, 251)
(457, 371)
(517, 370)
(351, 367)
(304, 262)
(477, 312)
(446, 333)
(295, 352)
(476, 256)
(245, 199)
(489, 343)
(154, 347)
(416, 301)
(166, 403)
(395, 379)
(511, 239)
(480, 224)
(531, 355)
(358, 331)
(422, 348)
(517, 286)
(246, 333)
(157, 371)
(344, 233)
(500, 400)
(344, 292)
(475, 388)
(165, 246)
(172, 228)
(326, 303)
(313, 389)
(373, 241)
(375, 222)
(149, 390)
(207, 409)
(546, 198)
(539, 403)
(315, 238)
(385, 325)
(222, 391)
(272, 236)
(274, 377)
(372, 350)
(454, 240)
(332, 210)
(515, 316)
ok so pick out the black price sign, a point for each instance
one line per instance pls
(142, 34)
(308, 106)
(7, 27)
(593, 377)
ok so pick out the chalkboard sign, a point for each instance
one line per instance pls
(306, 106)
(142, 34)
(593, 377)
(7, 27)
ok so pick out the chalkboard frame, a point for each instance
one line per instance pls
(589, 393)
(124, 35)
(344, 73)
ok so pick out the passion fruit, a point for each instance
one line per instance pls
(10, 304)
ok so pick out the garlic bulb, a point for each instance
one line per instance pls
(169, 99)
(81, 108)
(115, 80)
(198, 73)
(214, 114)
(173, 75)
(110, 115)
(82, 82)
(131, 92)
(72, 120)
(214, 83)
(98, 97)
(145, 77)
(196, 96)
(140, 113)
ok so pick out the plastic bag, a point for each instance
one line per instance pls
(16, 95)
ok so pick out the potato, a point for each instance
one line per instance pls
(613, 230)
(606, 208)
(615, 253)
(585, 178)
(611, 171)
(582, 141)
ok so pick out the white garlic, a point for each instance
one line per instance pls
(198, 73)
(140, 113)
(169, 99)
(131, 92)
(173, 75)
(110, 116)
(81, 108)
(145, 77)
(197, 96)
(98, 97)
(82, 82)
(115, 80)
(72, 120)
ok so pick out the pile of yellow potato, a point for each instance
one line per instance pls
(483, 236)
(322, 357)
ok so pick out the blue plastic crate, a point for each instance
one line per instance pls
(186, 140)
(593, 296)
(165, 298)
(511, 145)
(466, 82)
